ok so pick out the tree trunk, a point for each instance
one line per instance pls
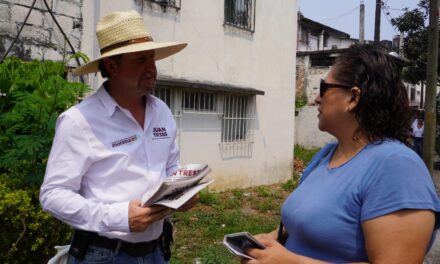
(431, 87)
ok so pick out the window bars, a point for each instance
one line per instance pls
(237, 116)
(237, 126)
(170, 97)
(199, 102)
(168, 3)
(240, 14)
(164, 94)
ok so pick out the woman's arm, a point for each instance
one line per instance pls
(399, 237)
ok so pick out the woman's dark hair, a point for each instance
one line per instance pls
(383, 110)
(101, 66)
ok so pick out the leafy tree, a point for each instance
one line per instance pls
(32, 95)
(414, 24)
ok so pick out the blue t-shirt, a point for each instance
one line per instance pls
(323, 215)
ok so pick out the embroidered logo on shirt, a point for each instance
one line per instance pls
(123, 141)
(160, 133)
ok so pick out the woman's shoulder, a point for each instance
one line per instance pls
(387, 150)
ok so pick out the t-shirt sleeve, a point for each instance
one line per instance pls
(402, 181)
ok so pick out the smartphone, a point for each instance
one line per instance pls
(240, 243)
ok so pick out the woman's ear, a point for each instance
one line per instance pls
(355, 97)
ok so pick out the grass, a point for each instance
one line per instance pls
(198, 233)
(303, 153)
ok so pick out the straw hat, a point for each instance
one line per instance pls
(125, 32)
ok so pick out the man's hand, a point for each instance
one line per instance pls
(189, 204)
(140, 218)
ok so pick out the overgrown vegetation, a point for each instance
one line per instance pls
(304, 154)
(199, 232)
(299, 103)
(32, 95)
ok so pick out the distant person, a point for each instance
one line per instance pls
(418, 128)
(105, 155)
(367, 198)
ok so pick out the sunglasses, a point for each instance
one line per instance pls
(324, 86)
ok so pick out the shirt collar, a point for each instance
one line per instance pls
(110, 103)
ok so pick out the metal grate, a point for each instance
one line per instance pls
(237, 126)
(240, 14)
(170, 97)
(164, 94)
(167, 3)
(199, 102)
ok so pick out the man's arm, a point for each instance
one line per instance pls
(69, 160)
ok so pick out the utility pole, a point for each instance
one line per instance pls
(377, 22)
(362, 23)
(431, 87)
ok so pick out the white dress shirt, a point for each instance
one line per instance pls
(416, 131)
(101, 158)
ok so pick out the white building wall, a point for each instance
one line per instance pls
(332, 41)
(264, 60)
(309, 136)
(346, 43)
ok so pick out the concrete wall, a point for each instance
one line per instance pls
(40, 37)
(340, 43)
(307, 133)
(308, 78)
(263, 60)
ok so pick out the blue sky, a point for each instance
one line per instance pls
(344, 15)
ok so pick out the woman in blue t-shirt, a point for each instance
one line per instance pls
(368, 197)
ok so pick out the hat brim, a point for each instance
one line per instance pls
(162, 50)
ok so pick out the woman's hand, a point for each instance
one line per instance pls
(273, 253)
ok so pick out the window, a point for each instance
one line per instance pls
(193, 101)
(304, 36)
(240, 14)
(413, 94)
(170, 96)
(238, 118)
(321, 60)
(164, 94)
(168, 3)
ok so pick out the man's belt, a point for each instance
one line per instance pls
(133, 249)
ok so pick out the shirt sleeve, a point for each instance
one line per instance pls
(60, 195)
(402, 181)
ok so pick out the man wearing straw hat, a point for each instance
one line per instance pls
(105, 154)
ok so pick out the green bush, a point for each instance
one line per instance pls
(32, 95)
(28, 233)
